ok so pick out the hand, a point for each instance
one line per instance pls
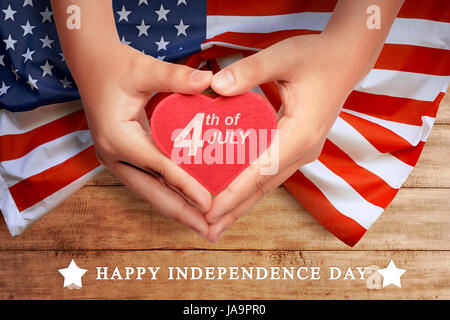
(314, 75)
(114, 92)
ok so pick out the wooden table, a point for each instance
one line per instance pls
(104, 224)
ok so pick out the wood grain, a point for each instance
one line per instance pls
(431, 171)
(104, 224)
(101, 218)
(443, 115)
(426, 276)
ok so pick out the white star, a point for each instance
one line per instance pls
(10, 43)
(162, 13)
(9, 13)
(161, 57)
(46, 42)
(46, 15)
(162, 45)
(14, 72)
(72, 275)
(143, 1)
(391, 274)
(181, 1)
(181, 28)
(32, 83)
(27, 2)
(27, 29)
(28, 55)
(66, 83)
(62, 57)
(123, 14)
(125, 41)
(47, 68)
(4, 89)
(1, 60)
(143, 29)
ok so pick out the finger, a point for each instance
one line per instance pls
(155, 75)
(250, 180)
(217, 229)
(247, 73)
(144, 154)
(238, 191)
(163, 199)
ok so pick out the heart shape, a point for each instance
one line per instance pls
(213, 139)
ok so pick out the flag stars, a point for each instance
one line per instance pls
(9, 13)
(47, 69)
(32, 83)
(147, 34)
(162, 45)
(181, 28)
(28, 55)
(123, 14)
(143, 28)
(10, 42)
(125, 41)
(27, 28)
(46, 15)
(66, 83)
(47, 42)
(4, 89)
(162, 13)
(28, 3)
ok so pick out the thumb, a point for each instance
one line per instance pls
(247, 73)
(157, 75)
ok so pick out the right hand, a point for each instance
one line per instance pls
(114, 91)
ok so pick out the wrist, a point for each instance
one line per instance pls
(94, 66)
(88, 44)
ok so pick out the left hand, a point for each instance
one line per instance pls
(314, 75)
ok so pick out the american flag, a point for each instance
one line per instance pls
(35, 68)
(46, 152)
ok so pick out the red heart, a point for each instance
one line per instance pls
(240, 119)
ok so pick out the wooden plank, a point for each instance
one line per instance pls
(97, 218)
(431, 171)
(426, 275)
(443, 115)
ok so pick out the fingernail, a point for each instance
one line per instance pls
(224, 80)
(200, 76)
